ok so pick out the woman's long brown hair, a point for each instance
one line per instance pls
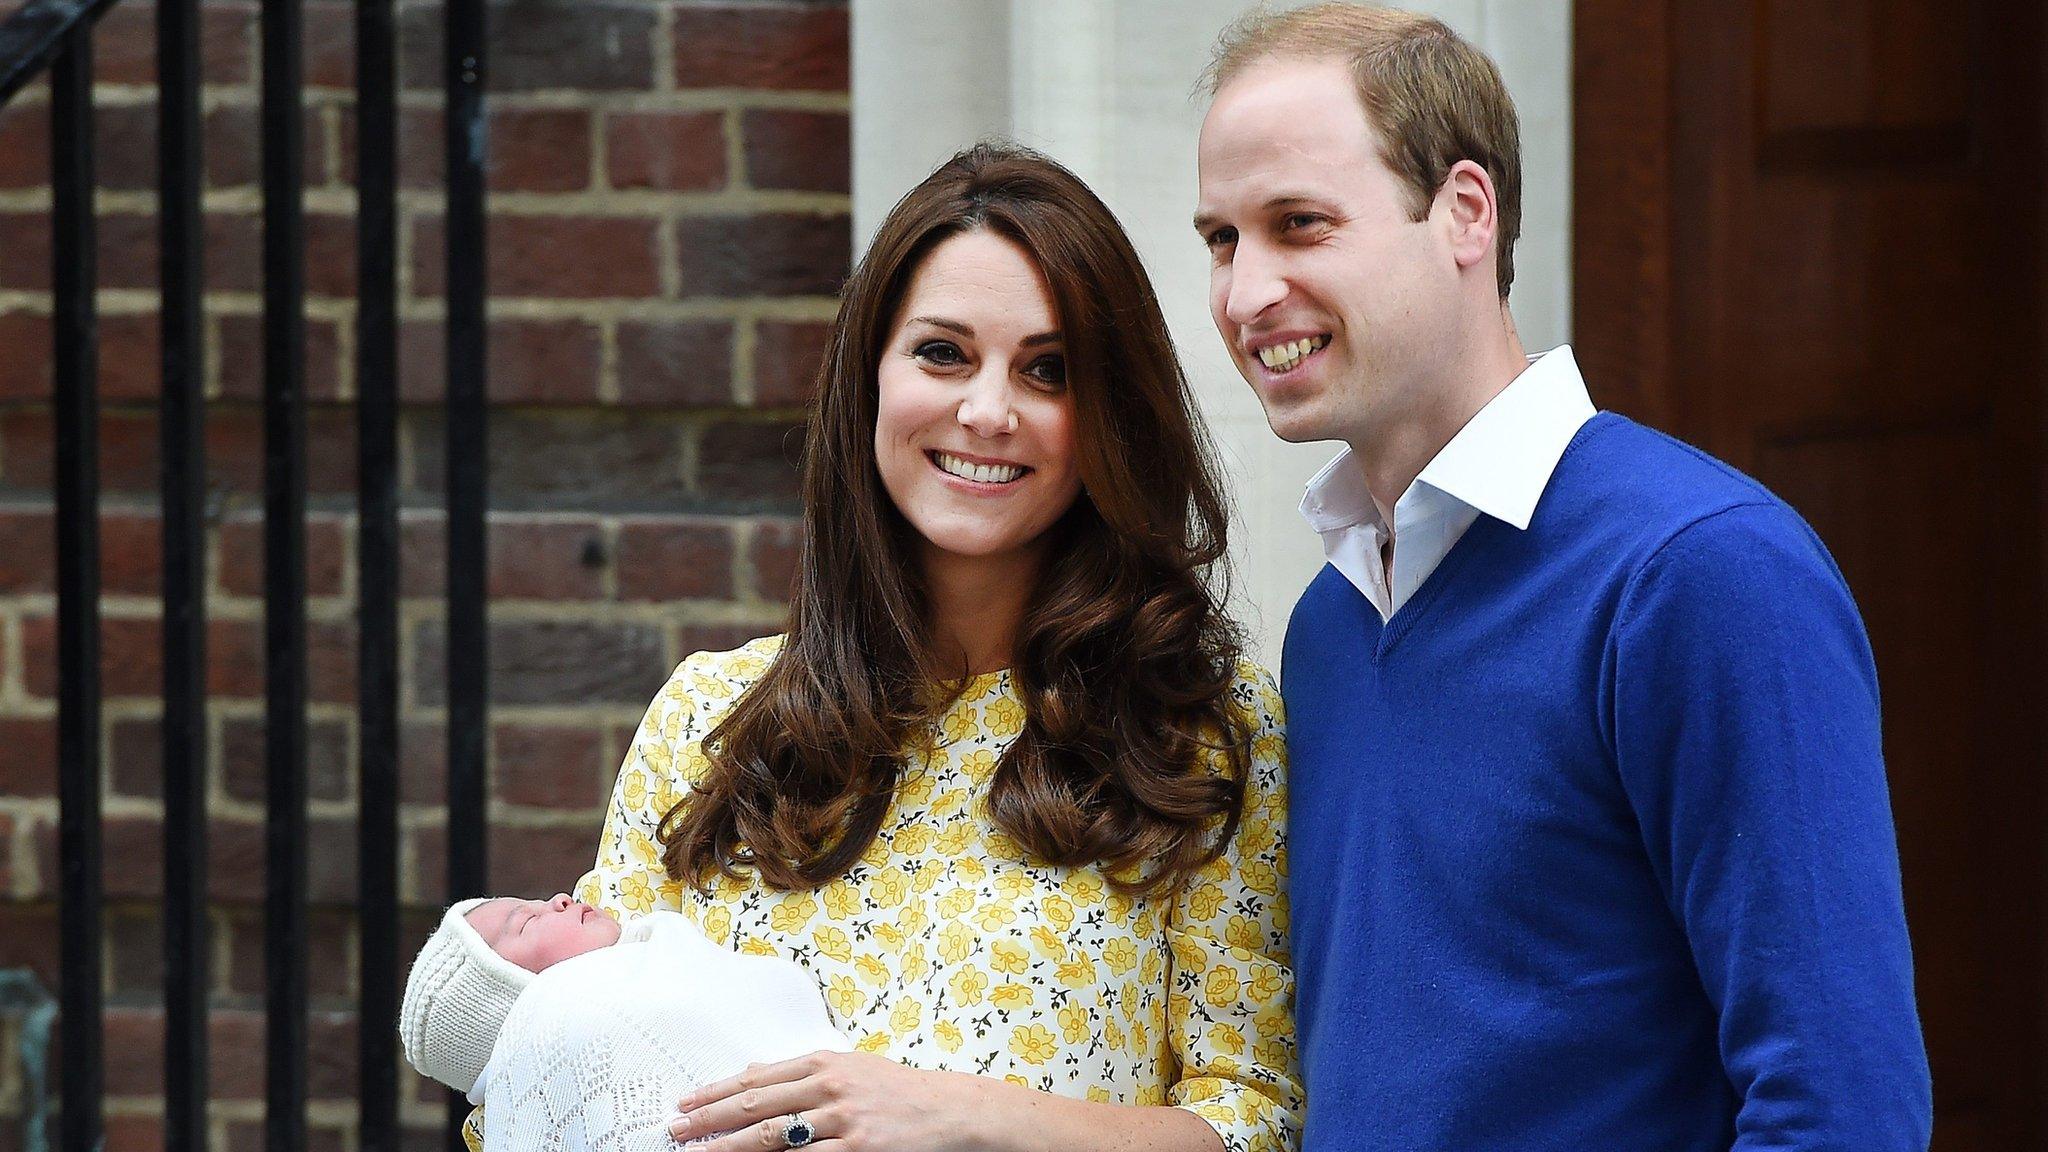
(1124, 660)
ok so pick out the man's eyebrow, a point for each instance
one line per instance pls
(1204, 221)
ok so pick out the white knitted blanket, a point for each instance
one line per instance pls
(598, 1048)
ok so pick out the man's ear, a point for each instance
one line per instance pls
(1468, 203)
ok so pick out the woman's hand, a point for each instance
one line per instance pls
(852, 1102)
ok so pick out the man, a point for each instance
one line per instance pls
(1592, 847)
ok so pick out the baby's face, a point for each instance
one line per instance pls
(536, 933)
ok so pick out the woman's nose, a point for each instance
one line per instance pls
(986, 409)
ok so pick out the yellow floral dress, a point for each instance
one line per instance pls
(946, 947)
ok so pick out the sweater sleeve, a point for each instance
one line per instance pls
(1231, 987)
(1745, 725)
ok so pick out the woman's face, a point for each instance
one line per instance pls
(974, 433)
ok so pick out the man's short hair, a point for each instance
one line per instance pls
(1433, 98)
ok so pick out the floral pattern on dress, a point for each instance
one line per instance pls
(947, 947)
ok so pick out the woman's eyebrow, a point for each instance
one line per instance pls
(960, 326)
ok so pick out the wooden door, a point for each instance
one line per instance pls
(1809, 238)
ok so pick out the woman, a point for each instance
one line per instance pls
(1005, 788)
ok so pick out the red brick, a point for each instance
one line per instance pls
(528, 862)
(423, 764)
(719, 637)
(134, 1045)
(234, 855)
(28, 759)
(667, 559)
(24, 146)
(328, 41)
(234, 147)
(550, 256)
(25, 372)
(130, 364)
(127, 451)
(28, 939)
(798, 151)
(28, 552)
(124, 46)
(672, 363)
(555, 768)
(131, 659)
(241, 358)
(127, 251)
(527, 361)
(245, 773)
(527, 559)
(135, 757)
(329, 935)
(131, 553)
(135, 953)
(131, 358)
(234, 450)
(787, 356)
(592, 45)
(733, 47)
(667, 151)
(331, 255)
(124, 146)
(751, 463)
(422, 152)
(766, 254)
(241, 556)
(550, 663)
(571, 460)
(540, 150)
(773, 554)
(133, 1134)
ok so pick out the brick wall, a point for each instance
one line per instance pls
(669, 223)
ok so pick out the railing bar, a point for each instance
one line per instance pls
(184, 574)
(467, 663)
(377, 558)
(78, 582)
(284, 577)
(33, 33)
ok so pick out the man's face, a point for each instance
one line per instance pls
(1314, 249)
(537, 933)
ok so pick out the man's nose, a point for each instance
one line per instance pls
(1255, 284)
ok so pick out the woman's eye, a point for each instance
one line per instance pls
(938, 352)
(1050, 370)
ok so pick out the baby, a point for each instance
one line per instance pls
(578, 1034)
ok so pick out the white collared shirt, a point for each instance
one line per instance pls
(1497, 464)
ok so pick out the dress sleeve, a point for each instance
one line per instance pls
(627, 878)
(1231, 980)
(1745, 721)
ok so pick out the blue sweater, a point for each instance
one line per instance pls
(1591, 843)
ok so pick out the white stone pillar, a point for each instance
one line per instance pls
(1107, 88)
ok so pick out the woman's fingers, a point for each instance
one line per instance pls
(770, 1133)
(756, 1076)
(763, 1106)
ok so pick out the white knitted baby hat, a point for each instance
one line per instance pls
(456, 1000)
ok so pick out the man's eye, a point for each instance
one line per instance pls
(938, 352)
(1221, 237)
(1303, 220)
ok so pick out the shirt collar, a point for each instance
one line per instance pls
(1498, 463)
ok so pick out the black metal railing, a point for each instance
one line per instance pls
(55, 36)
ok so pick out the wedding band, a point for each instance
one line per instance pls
(797, 1131)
